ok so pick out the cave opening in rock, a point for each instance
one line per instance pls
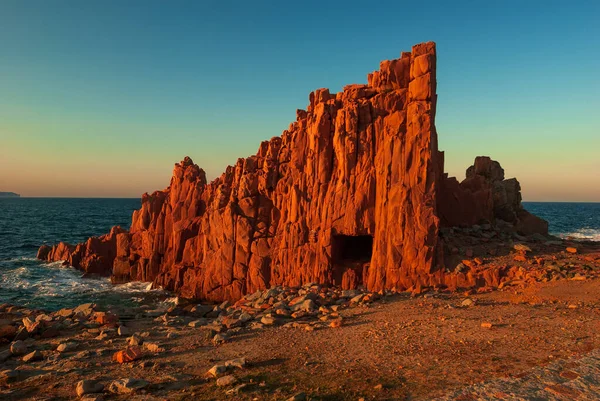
(351, 256)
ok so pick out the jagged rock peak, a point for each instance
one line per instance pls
(353, 194)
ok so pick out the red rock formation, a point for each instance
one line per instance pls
(351, 193)
(485, 196)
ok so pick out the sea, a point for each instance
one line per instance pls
(27, 223)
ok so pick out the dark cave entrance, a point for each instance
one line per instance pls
(351, 256)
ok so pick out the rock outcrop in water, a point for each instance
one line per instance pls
(353, 193)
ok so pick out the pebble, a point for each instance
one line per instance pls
(4, 355)
(92, 397)
(226, 381)
(88, 387)
(467, 302)
(18, 348)
(102, 336)
(134, 340)
(268, 320)
(128, 355)
(43, 317)
(306, 306)
(153, 347)
(245, 317)
(459, 268)
(30, 325)
(237, 389)
(217, 369)
(219, 339)
(66, 347)
(521, 248)
(8, 375)
(357, 299)
(33, 356)
(7, 331)
(127, 386)
(239, 363)
(85, 309)
(123, 331)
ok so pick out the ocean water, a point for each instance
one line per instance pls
(27, 223)
(577, 220)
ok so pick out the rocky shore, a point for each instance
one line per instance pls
(305, 342)
(339, 262)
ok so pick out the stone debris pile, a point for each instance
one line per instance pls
(309, 307)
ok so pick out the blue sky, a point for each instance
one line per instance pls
(100, 98)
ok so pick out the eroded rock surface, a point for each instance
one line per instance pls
(352, 193)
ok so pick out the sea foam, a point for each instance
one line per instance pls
(590, 234)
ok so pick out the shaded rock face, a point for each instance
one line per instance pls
(485, 196)
(348, 195)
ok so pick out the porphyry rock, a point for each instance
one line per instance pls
(217, 370)
(33, 356)
(66, 347)
(127, 386)
(128, 355)
(239, 363)
(5, 355)
(7, 331)
(18, 348)
(226, 381)
(352, 193)
(8, 375)
(88, 387)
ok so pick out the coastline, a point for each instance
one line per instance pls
(376, 346)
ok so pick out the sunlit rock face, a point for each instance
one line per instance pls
(352, 193)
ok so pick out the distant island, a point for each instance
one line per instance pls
(9, 195)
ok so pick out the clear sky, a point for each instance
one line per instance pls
(101, 98)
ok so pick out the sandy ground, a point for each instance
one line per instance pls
(399, 348)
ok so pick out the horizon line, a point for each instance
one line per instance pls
(139, 198)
